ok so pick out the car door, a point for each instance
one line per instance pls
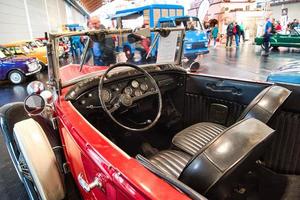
(222, 100)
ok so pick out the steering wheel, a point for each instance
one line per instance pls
(126, 100)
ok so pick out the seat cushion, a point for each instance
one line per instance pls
(171, 162)
(195, 137)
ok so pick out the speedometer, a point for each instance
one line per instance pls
(144, 86)
(106, 95)
(135, 84)
(138, 93)
(128, 91)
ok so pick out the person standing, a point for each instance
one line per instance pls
(229, 33)
(242, 29)
(214, 33)
(267, 35)
(278, 27)
(237, 33)
(103, 51)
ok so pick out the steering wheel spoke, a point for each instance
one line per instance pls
(146, 94)
(115, 107)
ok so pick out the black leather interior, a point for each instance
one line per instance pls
(171, 162)
(233, 152)
(195, 137)
(223, 160)
(265, 104)
(262, 107)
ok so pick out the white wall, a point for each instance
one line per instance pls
(293, 11)
(13, 20)
(27, 19)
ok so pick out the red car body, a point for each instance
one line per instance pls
(91, 154)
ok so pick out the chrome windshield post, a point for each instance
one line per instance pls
(53, 64)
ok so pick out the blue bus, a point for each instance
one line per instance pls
(165, 15)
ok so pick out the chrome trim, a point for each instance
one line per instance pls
(35, 71)
(88, 186)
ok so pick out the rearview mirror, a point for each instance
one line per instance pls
(34, 104)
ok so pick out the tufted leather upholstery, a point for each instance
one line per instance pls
(262, 107)
(171, 162)
(195, 137)
(216, 167)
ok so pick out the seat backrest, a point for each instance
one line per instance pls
(214, 169)
(265, 104)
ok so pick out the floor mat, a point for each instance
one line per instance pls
(278, 186)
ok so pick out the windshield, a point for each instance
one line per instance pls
(27, 49)
(190, 23)
(142, 47)
(4, 53)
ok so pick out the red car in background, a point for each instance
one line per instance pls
(154, 131)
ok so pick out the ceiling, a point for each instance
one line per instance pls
(92, 5)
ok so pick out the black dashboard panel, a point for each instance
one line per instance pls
(133, 86)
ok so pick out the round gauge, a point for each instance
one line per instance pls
(106, 95)
(144, 86)
(135, 84)
(128, 91)
(138, 93)
(126, 100)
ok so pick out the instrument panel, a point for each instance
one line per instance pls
(132, 88)
(128, 88)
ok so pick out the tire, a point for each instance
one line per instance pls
(16, 77)
(41, 175)
(263, 46)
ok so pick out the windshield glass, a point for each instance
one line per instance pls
(26, 49)
(189, 23)
(4, 53)
(140, 48)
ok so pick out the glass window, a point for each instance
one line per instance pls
(147, 15)
(172, 12)
(2, 55)
(156, 13)
(167, 24)
(179, 12)
(189, 23)
(164, 12)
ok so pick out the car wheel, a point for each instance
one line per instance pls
(16, 77)
(263, 46)
(37, 162)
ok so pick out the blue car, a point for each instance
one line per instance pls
(16, 69)
(165, 15)
(195, 41)
(286, 74)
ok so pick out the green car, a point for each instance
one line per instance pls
(282, 40)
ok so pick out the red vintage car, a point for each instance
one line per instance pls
(153, 130)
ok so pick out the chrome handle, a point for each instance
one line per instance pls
(88, 186)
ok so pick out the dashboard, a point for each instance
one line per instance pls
(127, 89)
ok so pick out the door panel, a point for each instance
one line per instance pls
(217, 100)
(223, 100)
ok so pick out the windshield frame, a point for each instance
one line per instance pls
(53, 52)
(8, 54)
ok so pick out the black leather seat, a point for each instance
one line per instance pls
(262, 107)
(216, 166)
(171, 162)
